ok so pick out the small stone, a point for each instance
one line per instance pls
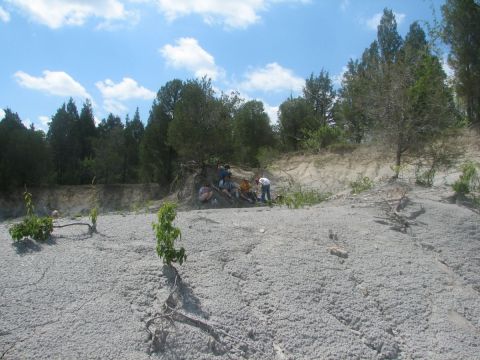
(55, 214)
(338, 251)
(262, 230)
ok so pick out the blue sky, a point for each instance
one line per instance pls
(118, 53)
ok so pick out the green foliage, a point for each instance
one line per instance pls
(109, 151)
(397, 169)
(37, 228)
(202, 123)
(266, 155)
(251, 131)
(320, 96)
(469, 181)
(361, 184)
(296, 196)
(425, 178)
(93, 216)
(166, 235)
(321, 138)
(294, 117)
(24, 154)
(461, 29)
(440, 154)
(133, 134)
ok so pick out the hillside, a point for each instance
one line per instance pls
(391, 273)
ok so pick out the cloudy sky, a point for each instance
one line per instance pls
(118, 53)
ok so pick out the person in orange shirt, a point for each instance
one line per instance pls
(246, 192)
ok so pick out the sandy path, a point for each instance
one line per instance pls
(259, 283)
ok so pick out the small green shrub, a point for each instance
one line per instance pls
(166, 235)
(425, 178)
(266, 155)
(361, 184)
(468, 181)
(37, 228)
(296, 197)
(93, 217)
(322, 137)
(398, 169)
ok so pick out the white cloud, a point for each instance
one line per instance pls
(344, 5)
(53, 82)
(113, 94)
(125, 90)
(231, 13)
(57, 13)
(272, 112)
(114, 106)
(373, 22)
(337, 79)
(2, 114)
(272, 77)
(188, 54)
(43, 122)
(447, 68)
(4, 15)
(27, 122)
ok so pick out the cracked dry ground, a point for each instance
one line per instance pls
(258, 283)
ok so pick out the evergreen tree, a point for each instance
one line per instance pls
(134, 131)
(87, 133)
(157, 157)
(64, 139)
(461, 30)
(109, 150)
(251, 131)
(24, 154)
(294, 119)
(320, 96)
(202, 124)
(388, 38)
(351, 114)
(412, 103)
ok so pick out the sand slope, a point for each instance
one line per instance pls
(259, 283)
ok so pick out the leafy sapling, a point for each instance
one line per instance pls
(166, 235)
(37, 228)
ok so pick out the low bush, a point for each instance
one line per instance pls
(321, 138)
(34, 227)
(361, 184)
(425, 178)
(166, 235)
(469, 180)
(266, 155)
(296, 197)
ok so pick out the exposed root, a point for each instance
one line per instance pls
(396, 220)
(91, 229)
(171, 313)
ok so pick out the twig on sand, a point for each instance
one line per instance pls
(90, 227)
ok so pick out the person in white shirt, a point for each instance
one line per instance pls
(265, 183)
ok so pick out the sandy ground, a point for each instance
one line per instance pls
(259, 283)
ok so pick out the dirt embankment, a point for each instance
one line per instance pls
(78, 200)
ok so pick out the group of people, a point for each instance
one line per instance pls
(232, 190)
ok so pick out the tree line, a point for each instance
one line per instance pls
(397, 92)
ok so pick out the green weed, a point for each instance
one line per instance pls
(296, 197)
(166, 235)
(361, 184)
(37, 228)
